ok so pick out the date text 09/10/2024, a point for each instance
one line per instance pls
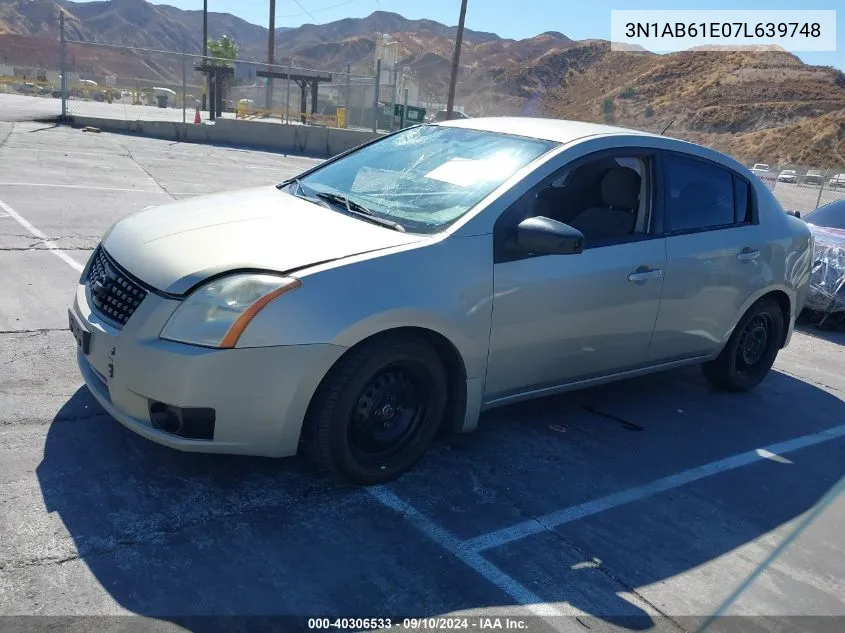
(480, 623)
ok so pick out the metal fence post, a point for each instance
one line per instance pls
(404, 110)
(821, 188)
(375, 96)
(62, 64)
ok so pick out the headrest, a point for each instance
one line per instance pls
(620, 188)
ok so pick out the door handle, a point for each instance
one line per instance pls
(748, 255)
(645, 275)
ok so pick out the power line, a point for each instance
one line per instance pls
(304, 9)
(320, 10)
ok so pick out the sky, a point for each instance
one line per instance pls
(517, 19)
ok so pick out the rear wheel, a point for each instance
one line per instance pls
(378, 410)
(751, 350)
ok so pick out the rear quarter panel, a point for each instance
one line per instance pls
(789, 254)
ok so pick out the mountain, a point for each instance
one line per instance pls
(140, 23)
(757, 105)
(747, 103)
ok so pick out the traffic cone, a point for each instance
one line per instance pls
(197, 119)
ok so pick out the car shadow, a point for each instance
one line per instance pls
(180, 536)
(834, 333)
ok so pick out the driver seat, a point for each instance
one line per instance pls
(620, 192)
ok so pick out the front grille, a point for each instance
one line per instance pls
(115, 294)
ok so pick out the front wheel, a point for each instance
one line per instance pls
(751, 350)
(378, 410)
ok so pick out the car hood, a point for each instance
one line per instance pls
(175, 246)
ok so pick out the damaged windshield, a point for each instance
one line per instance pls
(426, 177)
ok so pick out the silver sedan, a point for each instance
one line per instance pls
(400, 289)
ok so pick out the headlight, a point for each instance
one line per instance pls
(216, 314)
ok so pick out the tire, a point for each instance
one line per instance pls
(751, 350)
(377, 411)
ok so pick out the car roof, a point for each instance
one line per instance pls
(557, 130)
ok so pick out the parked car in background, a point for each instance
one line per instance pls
(760, 168)
(830, 216)
(788, 175)
(837, 181)
(442, 115)
(398, 290)
(813, 177)
(827, 281)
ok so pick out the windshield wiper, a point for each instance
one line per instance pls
(288, 183)
(357, 209)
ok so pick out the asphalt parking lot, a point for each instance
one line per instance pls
(637, 506)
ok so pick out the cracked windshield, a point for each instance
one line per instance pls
(427, 177)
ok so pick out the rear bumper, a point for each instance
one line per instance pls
(259, 395)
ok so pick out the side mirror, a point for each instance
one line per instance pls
(797, 214)
(544, 236)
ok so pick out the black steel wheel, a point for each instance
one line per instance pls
(378, 410)
(751, 350)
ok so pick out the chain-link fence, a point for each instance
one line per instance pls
(151, 85)
(801, 187)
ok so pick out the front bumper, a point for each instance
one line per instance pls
(259, 395)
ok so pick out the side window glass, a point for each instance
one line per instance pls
(742, 201)
(701, 195)
(606, 198)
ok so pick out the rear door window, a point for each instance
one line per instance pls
(701, 195)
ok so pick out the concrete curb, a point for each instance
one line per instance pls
(299, 139)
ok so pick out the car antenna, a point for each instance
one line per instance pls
(667, 127)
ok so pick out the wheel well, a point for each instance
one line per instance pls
(782, 299)
(453, 417)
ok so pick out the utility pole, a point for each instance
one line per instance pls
(62, 64)
(453, 80)
(205, 48)
(287, 98)
(376, 95)
(393, 95)
(271, 46)
(348, 98)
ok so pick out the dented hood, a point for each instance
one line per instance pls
(175, 246)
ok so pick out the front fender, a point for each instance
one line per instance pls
(444, 286)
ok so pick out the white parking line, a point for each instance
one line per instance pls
(36, 232)
(52, 184)
(475, 561)
(560, 517)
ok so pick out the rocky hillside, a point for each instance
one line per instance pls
(763, 106)
(759, 106)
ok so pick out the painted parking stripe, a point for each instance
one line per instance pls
(61, 186)
(36, 232)
(560, 517)
(475, 561)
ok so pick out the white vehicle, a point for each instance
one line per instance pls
(325, 317)
(813, 177)
(788, 175)
(837, 181)
(764, 173)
